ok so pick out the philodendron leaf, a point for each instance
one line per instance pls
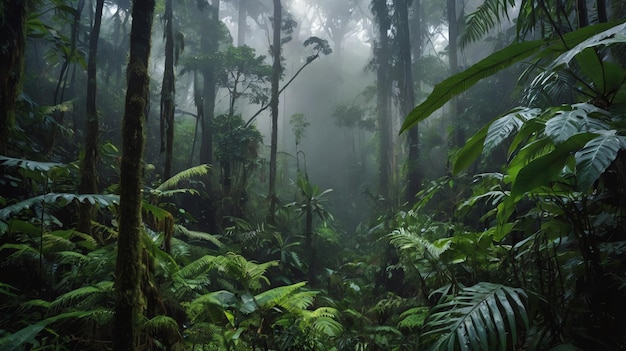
(508, 124)
(582, 118)
(594, 158)
(547, 168)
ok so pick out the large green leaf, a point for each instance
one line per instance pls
(547, 168)
(508, 124)
(469, 152)
(613, 35)
(460, 82)
(494, 63)
(581, 118)
(485, 316)
(594, 158)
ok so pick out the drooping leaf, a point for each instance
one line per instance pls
(62, 199)
(460, 82)
(610, 36)
(496, 62)
(594, 158)
(175, 180)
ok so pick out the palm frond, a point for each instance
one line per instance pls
(483, 19)
(174, 181)
(485, 316)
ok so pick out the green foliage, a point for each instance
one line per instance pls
(485, 316)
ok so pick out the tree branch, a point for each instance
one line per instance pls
(309, 60)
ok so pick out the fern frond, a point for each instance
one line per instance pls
(413, 318)
(173, 182)
(483, 19)
(160, 326)
(407, 240)
(270, 298)
(180, 230)
(81, 294)
(196, 267)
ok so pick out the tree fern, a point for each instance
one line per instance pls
(485, 316)
(270, 298)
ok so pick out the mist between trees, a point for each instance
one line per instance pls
(312, 175)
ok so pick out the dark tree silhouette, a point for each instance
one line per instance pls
(129, 304)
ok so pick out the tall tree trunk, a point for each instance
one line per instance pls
(602, 15)
(242, 27)
(407, 97)
(583, 17)
(88, 173)
(168, 92)
(129, 304)
(383, 99)
(209, 46)
(458, 137)
(13, 43)
(276, 73)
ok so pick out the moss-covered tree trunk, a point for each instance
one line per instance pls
(12, 47)
(129, 302)
(168, 92)
(276, 73)
(88, 174)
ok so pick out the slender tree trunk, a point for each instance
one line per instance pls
(383, 99)
(458, 137)
(276, 73)
(13, 43)
(602, 15)
(129, 304)
(583, 17)
(88, 173)
(242, 27)
(168, 92)
(209, 46)
(407, 97)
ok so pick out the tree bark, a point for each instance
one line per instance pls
(129, 304)
(276, 73)
(209, 46)
(88, 173)
(13, 42)
(458, 138)
(383, 99)
(407, 97)
(168, 92)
